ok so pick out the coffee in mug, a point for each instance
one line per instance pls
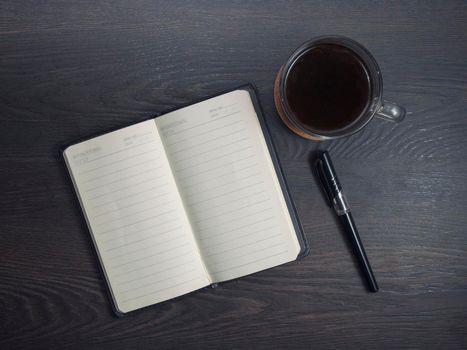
(331, 87)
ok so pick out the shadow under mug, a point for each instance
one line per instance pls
(376, 106)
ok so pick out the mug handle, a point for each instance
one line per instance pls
(390, 111)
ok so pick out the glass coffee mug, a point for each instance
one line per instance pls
(331, 87)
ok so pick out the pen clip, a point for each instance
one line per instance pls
(324, 182)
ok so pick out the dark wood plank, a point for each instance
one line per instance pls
(70, 69)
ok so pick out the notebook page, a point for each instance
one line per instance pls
(229, 187)
(136, 216)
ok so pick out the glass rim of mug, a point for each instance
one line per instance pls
(373, 71)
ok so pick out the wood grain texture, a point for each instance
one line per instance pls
(72, 68)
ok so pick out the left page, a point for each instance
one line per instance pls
(136, 218)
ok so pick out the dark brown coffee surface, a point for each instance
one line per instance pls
(327, 87)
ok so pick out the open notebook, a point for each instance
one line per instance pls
(185, 200)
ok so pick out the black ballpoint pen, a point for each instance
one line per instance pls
(333, 190)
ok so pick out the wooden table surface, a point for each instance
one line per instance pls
(69, 69)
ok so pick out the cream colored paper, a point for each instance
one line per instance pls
(229, 187)
(136, 217)
(184, 200)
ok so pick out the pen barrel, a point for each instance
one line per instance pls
(340, 204)
(354, 237)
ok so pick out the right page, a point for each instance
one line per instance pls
(229, 187)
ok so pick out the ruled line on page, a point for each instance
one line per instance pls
(159, 262)
(134, 223)
(157, 244)
(236, 219)
(236, 180)
(230, 105)
(249, 205)
(119, 161)
(196, 213)
(251, 262)
(201, 124)
(135, 213)
(145, 257)
(184, 254)
(204, 132)
(129, 196)
(119, 151)
(255, 252)
(218, 176)
(156, 272)
(126, 178)
(205, 142)
(229, 162)
(158, 281)
(225, 193)
(237, 228)
(120, 170)
(160, 290)
(216, 158)
(242, 246)
(127, 206)
(236, 237)
(132, 233)
(218, 147)
(127, 244)
(127, 187)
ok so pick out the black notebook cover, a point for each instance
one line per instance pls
(304, 247)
